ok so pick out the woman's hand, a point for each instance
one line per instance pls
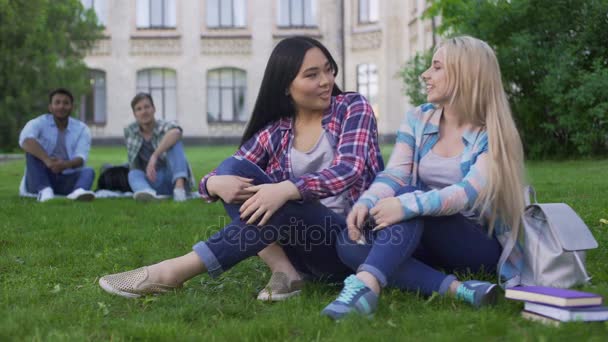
(231, 189)
(355, 220)
(266, 200)
(386, 212)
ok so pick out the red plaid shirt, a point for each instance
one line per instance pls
(350, 121)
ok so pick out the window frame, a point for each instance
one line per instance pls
(367, 94)
(91, 120)
(233, 17)
(367, 20)
(234, 92)
(290, 24)
(165, 19)
(149, 89)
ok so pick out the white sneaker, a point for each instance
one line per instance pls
(46, 194)
(147, 195)
(179, 195)
(81, 194)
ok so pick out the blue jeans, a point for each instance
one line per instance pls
(38, 177)
(307, 231)
(175, 168)
(406, 255)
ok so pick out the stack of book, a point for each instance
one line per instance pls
(553, 305)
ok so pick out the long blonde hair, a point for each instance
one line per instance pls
(477, 93)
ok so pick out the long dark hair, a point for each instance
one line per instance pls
(283, 65)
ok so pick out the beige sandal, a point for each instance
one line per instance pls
(133, 284)
(280, 288)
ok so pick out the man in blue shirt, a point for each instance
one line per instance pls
(56, 148)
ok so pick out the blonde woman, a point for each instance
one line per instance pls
(450, 195)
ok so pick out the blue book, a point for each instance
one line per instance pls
(586, 314)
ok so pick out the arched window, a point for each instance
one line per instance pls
(93, 108)
(162, 85)
(226, 89)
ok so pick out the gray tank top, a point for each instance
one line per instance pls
(437, 172)
(318, 158)
(60, 151)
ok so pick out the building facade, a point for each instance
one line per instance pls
(203, 60)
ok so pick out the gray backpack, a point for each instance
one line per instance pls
(554, 244)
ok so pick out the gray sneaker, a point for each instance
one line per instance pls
(477, 293)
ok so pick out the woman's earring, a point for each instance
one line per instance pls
(286, 92)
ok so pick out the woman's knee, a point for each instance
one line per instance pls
(233, 166)
(349, 252)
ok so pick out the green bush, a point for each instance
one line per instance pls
(42, 46)
(554, 61)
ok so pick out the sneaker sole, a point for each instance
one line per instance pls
(265, 297)
(110, 289)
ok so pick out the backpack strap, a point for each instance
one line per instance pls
(529, 193)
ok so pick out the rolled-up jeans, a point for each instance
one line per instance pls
(307, 232)
(175, 168)
(407, 255)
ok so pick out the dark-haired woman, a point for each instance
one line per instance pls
(308, 152)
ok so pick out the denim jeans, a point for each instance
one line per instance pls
(307, 232)
(406, 255)
(176, 167)
(38, 177)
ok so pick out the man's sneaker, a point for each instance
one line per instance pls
(477, 293)
(280, 288)
(46, 194)
(179, 194)
(81, 194)
(147, 195)
(354, 298)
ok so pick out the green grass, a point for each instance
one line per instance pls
(52, 254)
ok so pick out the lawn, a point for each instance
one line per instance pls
(52, 254)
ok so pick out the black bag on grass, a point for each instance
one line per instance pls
(115, 178)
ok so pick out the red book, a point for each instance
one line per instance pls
(553, 296)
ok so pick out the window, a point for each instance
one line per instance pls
(297, 13)
(368, 11)
(99, 6)
(93, 105)
(156, 14)
(226, 13)
(367, 81)
(226, 95)
(161, 84)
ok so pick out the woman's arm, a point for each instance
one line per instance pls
(399, 168)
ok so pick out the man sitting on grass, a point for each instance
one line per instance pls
(157, 161)
(56, 148)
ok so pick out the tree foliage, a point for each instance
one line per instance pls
(42, 46)
(554, 62)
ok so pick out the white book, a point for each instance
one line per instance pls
(589, 313)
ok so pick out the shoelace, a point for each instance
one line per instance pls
(351, 287)
(465, 294)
